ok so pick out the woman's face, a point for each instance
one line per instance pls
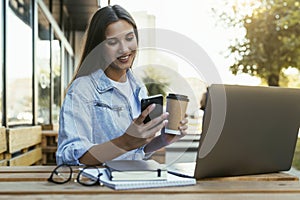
(120, 45)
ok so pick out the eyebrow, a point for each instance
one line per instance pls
(114, 37)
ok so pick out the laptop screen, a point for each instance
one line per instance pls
(248, 130)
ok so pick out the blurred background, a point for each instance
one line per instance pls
(250, 42)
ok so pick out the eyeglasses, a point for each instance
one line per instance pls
(63, 174)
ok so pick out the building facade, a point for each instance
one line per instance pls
(37, 55)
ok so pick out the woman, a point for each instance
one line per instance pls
(100, 118)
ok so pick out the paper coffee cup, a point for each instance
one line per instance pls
(176, 107)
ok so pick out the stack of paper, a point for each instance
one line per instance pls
(172, 180)
(135, 170)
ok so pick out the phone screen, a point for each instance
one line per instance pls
(158, 110)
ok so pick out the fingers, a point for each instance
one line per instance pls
(183, 126)
(155, 125)
(157, 128)
(144, 114)
(183, 130)
(140, 130)
(184, 121)
(154, 122)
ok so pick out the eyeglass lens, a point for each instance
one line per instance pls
(62, 174)
(84, 180)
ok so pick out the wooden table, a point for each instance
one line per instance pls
(31, 183)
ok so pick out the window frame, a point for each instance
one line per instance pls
(66, 55)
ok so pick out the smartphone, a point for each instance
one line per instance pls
(158, 110)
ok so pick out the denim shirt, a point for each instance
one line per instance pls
(94, 112)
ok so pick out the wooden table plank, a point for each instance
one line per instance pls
(11, 177)
(242, 187)
(31, 183)
(34, 173)
(156, 196)
(282, 176)
(29, 169)
(43, 176)
(29, 173)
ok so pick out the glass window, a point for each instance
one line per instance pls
(43, 68)
(68, 63)
(56, 12)
(68, 70)
(1, 59)
(67, 26)
(55, 9)
(47, 3)
(56, 64)
(19, 62)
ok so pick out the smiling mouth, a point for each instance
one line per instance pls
(124, 58)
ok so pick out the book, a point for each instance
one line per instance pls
(172, 180)
(124, 170)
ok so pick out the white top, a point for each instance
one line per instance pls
(126, 89)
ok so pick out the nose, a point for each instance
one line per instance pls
(123, 47)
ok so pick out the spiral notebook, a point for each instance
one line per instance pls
(172, 180)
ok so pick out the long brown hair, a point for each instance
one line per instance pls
(95, 33)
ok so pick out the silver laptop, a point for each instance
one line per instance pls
(246, 130)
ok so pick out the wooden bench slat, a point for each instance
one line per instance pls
(27, 158)
(49, 146)
(3, 145)
(49, 133)
(49, 149)
(24, 137)
(3, 163)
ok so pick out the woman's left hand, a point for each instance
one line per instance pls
(171, 138)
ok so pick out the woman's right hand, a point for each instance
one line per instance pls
(138, 133)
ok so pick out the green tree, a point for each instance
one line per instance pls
(155, 81)
(272, 38)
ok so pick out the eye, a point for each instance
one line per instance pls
(112, 42)
(130, 37)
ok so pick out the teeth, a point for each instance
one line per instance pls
(124, 57)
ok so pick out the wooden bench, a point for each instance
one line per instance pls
(49, 146)
(3, 147)
(24, 146)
